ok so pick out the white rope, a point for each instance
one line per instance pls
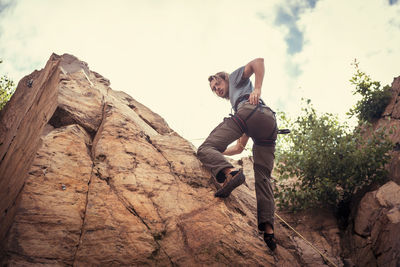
(84, 73)
(301, 236)
(309, 243)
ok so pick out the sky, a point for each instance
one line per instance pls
(161, 52)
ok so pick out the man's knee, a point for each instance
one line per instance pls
(263, 170)
(202, 151)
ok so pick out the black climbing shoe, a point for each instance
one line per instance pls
(234, 182)
(270, 240)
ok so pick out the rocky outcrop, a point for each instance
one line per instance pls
(89, 176)
(371, 239)
(28, 111)
(391, 120)
(374, 238)
(317, 226)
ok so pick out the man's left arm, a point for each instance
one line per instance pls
(238, 147)
(255, 67)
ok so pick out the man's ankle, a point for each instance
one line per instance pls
(228, 172)
(268, 229)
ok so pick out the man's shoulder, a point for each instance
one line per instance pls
(236, 76)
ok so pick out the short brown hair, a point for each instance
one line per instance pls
(222, 75)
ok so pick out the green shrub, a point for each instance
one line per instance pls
(322, 162)
(7, 88)
(374, 98)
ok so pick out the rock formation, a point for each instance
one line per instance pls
(390, 119)
(372, 237)
(89, 176)
(376, 228)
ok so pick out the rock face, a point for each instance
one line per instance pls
(371, 238)
(89, 176)
(26, 114)
(391, 119)
(376, 228)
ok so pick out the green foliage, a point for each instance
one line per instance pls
(7, 88)
(322, 162)
(374, 98)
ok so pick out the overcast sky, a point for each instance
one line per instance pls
(161, 52)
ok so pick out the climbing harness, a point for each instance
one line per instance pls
(241, 123)
(270, 141)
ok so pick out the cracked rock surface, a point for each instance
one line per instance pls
(89, 176)
(374, 234)
(372, 237)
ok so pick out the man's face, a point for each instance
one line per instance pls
(220, 87)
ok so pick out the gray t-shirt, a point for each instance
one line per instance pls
(238, 86)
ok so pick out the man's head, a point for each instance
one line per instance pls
(219, 84)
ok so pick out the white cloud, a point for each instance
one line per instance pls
(336, 33)
(161, 52)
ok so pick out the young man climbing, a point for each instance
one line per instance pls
(252, 119)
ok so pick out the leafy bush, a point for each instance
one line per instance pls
(7, 88)
(322, 162)
(374, 98)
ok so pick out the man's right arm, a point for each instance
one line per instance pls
(255, 66)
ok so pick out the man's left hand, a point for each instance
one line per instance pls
(255, 96)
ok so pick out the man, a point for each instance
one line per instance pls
(252, 119)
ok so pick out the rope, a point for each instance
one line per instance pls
(309, 243)
(302, 237)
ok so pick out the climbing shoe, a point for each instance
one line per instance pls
(228, 187)
(270, 240)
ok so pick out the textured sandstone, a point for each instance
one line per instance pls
(21, 120)
(390, 120)
(53, 201)
(318, 226)
(99, 179)
(393, 109)
(371, 239)
(377, 228)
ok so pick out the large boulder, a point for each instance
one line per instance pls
(89, 176)
(375, 230)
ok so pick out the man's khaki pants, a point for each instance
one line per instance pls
(261, 125)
